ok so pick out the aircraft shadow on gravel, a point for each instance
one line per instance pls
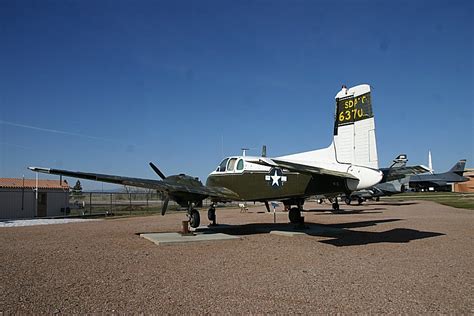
(340, 234)
(394, 203)
(375, 210)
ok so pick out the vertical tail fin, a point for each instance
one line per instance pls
(430, 163)
(354, 127)
(459, 167)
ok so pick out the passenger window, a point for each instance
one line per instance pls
(231, 165)
(221, 167)
(240, 165)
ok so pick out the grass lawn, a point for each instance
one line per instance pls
(459, 200)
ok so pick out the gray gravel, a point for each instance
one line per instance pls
(391, 257)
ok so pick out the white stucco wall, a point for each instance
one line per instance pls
(11, 203)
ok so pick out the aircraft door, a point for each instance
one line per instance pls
(42, 205)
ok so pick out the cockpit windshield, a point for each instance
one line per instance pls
(222, 166)
(230, 166)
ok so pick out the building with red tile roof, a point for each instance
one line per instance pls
(30, 198)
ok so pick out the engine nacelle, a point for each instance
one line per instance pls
(367, 178)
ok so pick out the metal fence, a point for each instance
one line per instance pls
(107, 204)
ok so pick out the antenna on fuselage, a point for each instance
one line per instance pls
(264, 150)
(244, 151)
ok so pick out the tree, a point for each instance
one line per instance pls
(77, 189)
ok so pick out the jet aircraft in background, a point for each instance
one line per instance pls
(350, 163)
(395, 180)
(439, 181)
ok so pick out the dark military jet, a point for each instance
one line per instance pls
(350, 163)
(439, 180)
(395, 180)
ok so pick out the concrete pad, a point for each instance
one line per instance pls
(176, 238)
(287, 233)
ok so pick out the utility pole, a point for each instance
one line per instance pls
(36, 195)
(23, 194)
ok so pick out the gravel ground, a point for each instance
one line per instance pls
(388, 257)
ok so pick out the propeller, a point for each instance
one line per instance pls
(157, 171)
(165, 205)
(163, 177)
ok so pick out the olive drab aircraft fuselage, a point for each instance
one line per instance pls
(350, 163)
(255, 182)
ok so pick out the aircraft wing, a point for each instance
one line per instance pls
(302, 168)
(395, 173)
(159, 185)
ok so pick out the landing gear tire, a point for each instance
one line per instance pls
(194, 219)
(377, 199)
(360, 200)
(335, 206)
(294, 215)
(348, 200)
(211, 215)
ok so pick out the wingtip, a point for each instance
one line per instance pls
(39, 169)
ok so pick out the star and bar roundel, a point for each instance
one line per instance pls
(275, 177)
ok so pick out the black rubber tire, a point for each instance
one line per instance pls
(360, 200)
(335, 206)
(194, 219)
(211, 214)
(377, 199)
(294, 215)
(348, 200)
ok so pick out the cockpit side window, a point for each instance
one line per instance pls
(240, 165)
(222, 166)
(231, 165)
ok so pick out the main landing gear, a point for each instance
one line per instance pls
(211, 214)
(294, 214)
(335, 205)
(193, 217)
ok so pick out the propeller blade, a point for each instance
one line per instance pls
(165, 205)
(158, 172)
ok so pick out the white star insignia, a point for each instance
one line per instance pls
(275, 178)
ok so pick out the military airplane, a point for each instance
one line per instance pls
(439, 180)
(350, 163)
(395, 180)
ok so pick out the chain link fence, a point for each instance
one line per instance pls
(116, 204)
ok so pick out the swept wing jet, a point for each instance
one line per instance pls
(437, 180)
(350, 163)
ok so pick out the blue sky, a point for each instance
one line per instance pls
(108, 86)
